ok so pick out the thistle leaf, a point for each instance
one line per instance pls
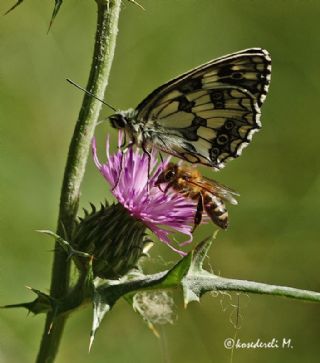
(42, 304)
(192, 290)
(56, 9)
(174, 276)
(103, 301)
(13, 7)
(201, 252)
(57, 5)
(71, 252)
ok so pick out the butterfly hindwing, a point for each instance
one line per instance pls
(213, 125)
(208, 115)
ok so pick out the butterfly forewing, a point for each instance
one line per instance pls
(208, 115)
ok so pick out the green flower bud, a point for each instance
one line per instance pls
(113, 237)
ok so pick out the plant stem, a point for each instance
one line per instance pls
(105, 40)
(195, 285)
(218, 283)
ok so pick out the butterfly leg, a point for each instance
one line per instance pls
(169, 185)
(199, 212)
(145, 150)
(124, 142)
(161, 158)
(162, 164)
(125, 149)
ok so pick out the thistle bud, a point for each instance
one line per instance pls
(113, 237)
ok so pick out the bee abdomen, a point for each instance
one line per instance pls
(216, 210)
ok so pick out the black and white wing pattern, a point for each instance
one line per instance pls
(209, 114)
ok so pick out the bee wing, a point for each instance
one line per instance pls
(217, 189)
(209, 114)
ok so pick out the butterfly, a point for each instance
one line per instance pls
(204, 116)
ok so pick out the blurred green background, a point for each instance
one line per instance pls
(274, 232)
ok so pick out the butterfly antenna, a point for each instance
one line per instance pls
(90, 94)
(136, 3)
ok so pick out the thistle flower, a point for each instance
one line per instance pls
(127, 174)
(115, 235)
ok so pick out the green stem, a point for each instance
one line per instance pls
(196, 283)
(105, 40)
(216, 283)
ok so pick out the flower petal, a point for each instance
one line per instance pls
(163, 213)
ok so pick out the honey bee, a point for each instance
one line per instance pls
(210, 194)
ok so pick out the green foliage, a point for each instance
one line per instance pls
(13, 7)
(188, 274)
(57, 4)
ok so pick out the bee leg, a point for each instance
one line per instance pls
(198, 215)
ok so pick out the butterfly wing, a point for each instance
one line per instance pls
(209, 114)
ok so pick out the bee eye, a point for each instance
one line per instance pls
(169, 175)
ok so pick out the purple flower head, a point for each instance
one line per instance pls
(163, 213)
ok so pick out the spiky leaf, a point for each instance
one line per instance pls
(42, 304)
(13, 7)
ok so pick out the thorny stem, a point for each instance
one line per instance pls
(207, 282)
(225, 284)
(196, 283)
(105, 40)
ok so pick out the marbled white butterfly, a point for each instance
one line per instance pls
(207, 115)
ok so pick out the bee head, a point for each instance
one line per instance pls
(167, 175)
(118, 121)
